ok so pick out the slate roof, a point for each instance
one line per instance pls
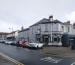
(44, 21)
(3, 33)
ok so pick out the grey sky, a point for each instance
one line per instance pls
(17, 13)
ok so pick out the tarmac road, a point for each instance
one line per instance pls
(33, 57)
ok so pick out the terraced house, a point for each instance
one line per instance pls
(3, 36)
(47, 31)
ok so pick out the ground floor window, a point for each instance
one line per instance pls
(38, 40)
(38, 37)
(47, 38)
(57, 39)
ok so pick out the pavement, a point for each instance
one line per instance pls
(64, 52)
(6, 60)
(33, 57)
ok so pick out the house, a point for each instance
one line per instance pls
(47, 31)
(3, 36)
(13, 35)
(23, 34)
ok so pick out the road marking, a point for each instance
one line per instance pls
(11, 59)
(73, 63)
(50, 59)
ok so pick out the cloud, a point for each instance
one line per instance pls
(71, 17)
(7, 27)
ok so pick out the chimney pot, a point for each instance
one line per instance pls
(51, 18)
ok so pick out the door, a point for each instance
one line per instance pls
(46, 39)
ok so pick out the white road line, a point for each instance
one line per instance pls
(50, 59)
(11, 59)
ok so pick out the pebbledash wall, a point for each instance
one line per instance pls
(47, 31)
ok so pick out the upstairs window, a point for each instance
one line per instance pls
(62, 28)
(68, 29)
(46, 27)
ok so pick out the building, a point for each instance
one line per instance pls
(23, 34)
(13, 36)
(47, 31)
(3, 36)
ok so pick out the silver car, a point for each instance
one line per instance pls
(36, 45)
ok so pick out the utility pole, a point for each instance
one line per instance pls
(12, 34)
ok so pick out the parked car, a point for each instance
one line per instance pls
(73, 44)
(13, 43)
(17, 43)
(22, 43)
(9, 42)
(2, 41)
(35, 45)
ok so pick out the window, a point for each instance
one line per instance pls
(68, 29)
(55, 39)
(62, 28)
(38, 38)
(46, 27)
(32, 30)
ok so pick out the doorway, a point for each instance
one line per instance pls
(45, 39)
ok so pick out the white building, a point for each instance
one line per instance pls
(3, 36)
(13, 35)
(47, 31)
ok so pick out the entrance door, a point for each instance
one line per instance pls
(46, 39)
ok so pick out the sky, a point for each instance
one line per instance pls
(17, 13)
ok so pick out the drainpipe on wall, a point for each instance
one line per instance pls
(51, 20)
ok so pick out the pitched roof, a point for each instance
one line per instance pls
(4, 33)
(24, 30)
(44, 21)
(67, 23)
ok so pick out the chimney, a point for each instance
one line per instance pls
(51, 18)
(68, 22)
(22, 28)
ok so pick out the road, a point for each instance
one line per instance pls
(33, 57)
